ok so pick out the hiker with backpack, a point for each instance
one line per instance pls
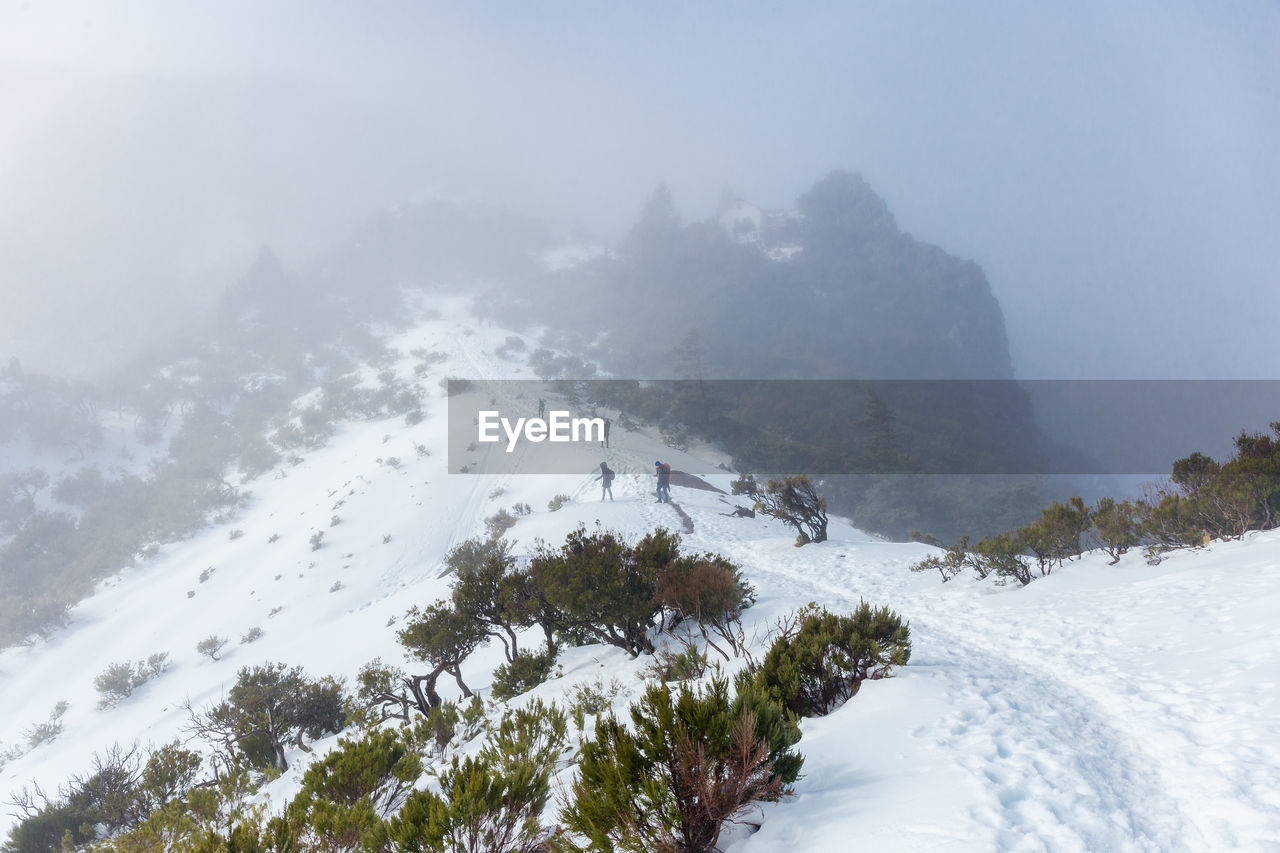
(606, 479)
(607, 424)
(664, 481)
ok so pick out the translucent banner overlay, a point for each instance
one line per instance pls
(831, 427)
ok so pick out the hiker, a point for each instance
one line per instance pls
(542, 408)
(606, 480)
(607, 424)
(664, 481)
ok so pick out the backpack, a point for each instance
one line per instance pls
(667, 470)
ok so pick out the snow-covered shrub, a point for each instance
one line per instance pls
(252, 635)
(494, 800)
(677, 666)
(950, 564)
(115, 799)
(824, 663)
(589, 699)
(211, 646)
(527, 671)
(39, 733)
(558, 501)
(346, 795)
(118, 681)
(498, 523)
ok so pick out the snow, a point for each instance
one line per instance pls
(1126, 707)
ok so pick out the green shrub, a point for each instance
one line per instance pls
(949, 564)
(268, 706)
(346, 795)
(527, 671)
(499, 523)
(118, 681)
(490, 802)
(1116, 526)
(822, 665)
(1001, 555)
(677, 666)
(686, 765)
(590, 699)
(212, 646)
(488, 588)
(599, 584)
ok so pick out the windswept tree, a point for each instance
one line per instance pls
(443, 637)
(268, 707)
(794, 501)
(488, 587)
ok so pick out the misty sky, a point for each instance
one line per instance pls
(1112, 167)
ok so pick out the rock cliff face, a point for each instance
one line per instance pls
(833, 289)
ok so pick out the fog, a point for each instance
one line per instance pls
(1113, 170)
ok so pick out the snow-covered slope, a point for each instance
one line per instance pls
(1127, 707)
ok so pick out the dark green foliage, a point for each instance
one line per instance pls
(488, 588)
(817, 669)
(490, 802)
(43, 831)
(346, 795)
(688, 764)
(257, 458)
(527, 671)
(381, 690)
(794, 501)
(950, 564)
(1001, 555)
(1056, 535)
(267, 706)
(85, 488)
(599, 584)
(118, 794)
(441, 636)
(1116, 526)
